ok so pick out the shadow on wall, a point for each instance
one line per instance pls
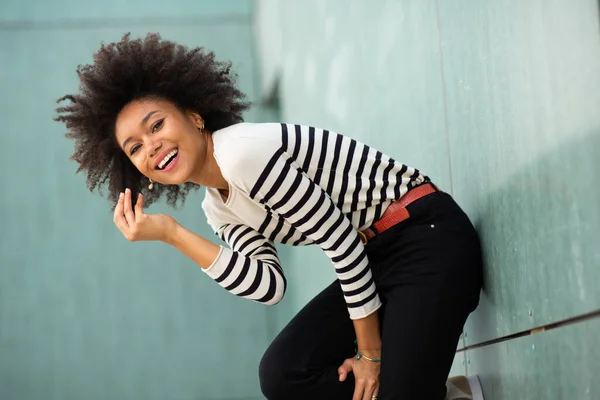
(540, 242)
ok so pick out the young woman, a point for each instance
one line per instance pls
(154, 119)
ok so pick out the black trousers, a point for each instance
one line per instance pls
(428, 271)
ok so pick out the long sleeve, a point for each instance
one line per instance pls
(269, 175)
(250, 268)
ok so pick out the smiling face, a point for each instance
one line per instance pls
(163, 143)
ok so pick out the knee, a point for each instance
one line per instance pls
(271, 375)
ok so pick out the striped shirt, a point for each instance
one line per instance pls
(299, 185)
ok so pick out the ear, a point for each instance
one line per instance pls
(196, 119)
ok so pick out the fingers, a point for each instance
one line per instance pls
(344, 370)
(365, 386)
(359, 392)
(128, 208)
(139, 206)
(365, 390)
(370, 392)
(119, 218)
(366, 378)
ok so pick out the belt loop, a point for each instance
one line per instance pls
(434, 186)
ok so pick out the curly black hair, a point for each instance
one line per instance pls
(130, 70)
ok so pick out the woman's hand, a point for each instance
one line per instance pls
(366, 376)
(137, 226)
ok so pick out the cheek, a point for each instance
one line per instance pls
(184, 137)
(139, 164)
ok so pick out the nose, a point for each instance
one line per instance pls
(153, 147)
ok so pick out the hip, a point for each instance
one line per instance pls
(436, 241)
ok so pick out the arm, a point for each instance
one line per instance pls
(249, 269)
(198, 249)
(368, 335)
(205, 253)
(270, 176)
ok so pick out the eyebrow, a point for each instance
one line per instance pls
(147, 117)
(144, 120)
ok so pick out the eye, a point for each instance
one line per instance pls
(135, 148)
(157, 125)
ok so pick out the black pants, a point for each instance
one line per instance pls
(428, 273)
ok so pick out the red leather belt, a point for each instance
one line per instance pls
(397, 212)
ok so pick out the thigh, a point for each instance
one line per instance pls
(302, 360)
(428, 293)
(420, 335)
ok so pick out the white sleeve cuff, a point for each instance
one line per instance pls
(220, 263)
(366, 310)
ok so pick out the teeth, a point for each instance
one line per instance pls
(167, 157)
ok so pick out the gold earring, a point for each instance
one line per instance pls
(151, 185)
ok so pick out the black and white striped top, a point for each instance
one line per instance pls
(299, 185)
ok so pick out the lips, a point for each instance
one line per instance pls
(171, 164)
(166, 158)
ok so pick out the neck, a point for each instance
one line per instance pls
(209, 174)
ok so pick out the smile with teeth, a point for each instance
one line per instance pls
(168, 158)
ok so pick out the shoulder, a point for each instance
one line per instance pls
(246, 148)
(238, 136)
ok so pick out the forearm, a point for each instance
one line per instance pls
(368, 335)
(203, 252)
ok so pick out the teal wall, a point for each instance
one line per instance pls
(495, 100)
(84, 314)
(498, 102)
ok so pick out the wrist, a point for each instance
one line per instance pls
(371, 353)
(363, 356)
(371, 348)
(368, 344)
(172, 233)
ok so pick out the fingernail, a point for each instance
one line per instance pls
(121, 195)
(127, 190)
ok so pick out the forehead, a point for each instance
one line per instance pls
(130, 118)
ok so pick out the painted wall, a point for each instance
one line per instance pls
(84, 314)
(498, 102)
